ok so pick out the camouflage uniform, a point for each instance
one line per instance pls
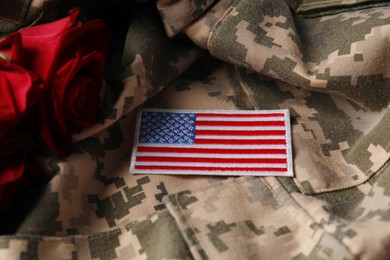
(326, 61)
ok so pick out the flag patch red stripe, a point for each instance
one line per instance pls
(209, 160)
(235, 115)
(238, 142)
(239, 123)
(241, 132)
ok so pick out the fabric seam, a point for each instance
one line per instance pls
(368, 177)
(324, 2)
(245, 88)
(190, 225)
(217, 26)
(304, 210)
(318, 3)
(229, 181)
(238, 180)
(285, 209)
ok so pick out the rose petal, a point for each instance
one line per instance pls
(55, 132)
(31, 175)
(59, 86)
(11, 47)
(82, 110)
(20, 90)
(82, 97)
(11, 168)
(67, 48)
(43, 44)
(55, 136)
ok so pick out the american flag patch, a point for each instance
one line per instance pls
(224, 142)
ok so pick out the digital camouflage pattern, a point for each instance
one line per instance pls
(326, 61)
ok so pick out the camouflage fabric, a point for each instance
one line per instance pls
(326, 61)
(21, 13)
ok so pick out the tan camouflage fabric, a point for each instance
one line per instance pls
(328, 62)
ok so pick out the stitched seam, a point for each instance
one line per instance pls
(49, 238)
(239, 180)
(217, 26)
(186, 218)
(245, 87)
(317, 3)
(285, 209)
(191, 226)
(354, 184)
(324, 2)
(304, 210)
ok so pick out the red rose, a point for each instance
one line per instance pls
(20, 91)
(52, 72)
(69, 57)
